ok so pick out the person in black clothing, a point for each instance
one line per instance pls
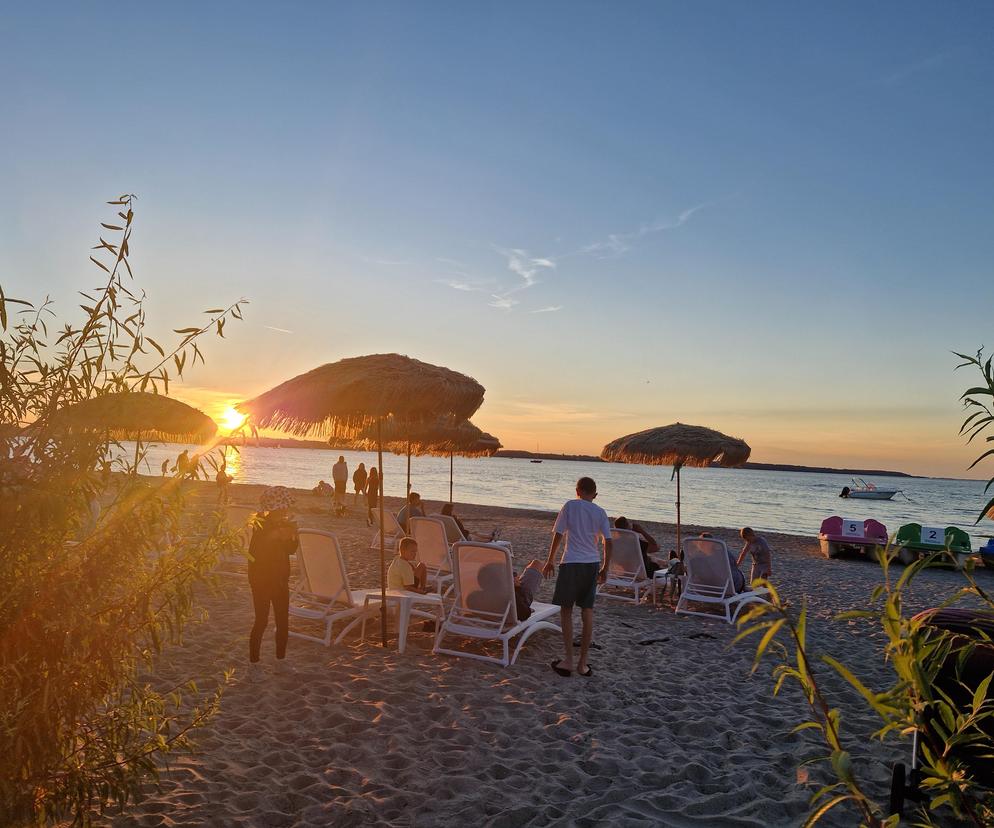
(274, 540)
(372, 495)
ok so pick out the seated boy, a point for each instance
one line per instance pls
(406, 571)
(525, 586)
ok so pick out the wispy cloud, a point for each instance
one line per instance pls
(558, 412)
(504, 303)
(526, 266)
(926, 64)
(550, 309)
(615, 244)
(278, 330)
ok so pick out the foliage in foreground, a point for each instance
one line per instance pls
(915, 653)
(97, 569)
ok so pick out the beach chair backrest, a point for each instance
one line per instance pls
(240, 519)
(875, 530)
(831, 525)
(626, 555)
(708, 570)
(484, 582)
(322, 567)
(433, 548)
(452, 532)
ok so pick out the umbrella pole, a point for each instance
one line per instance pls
(450, 478)
(679, 546)
(138, 445)
(383, 553)
(408, 466)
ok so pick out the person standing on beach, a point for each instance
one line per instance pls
(274, 540)
(359, 480)
(583, 524)
(340, 477)
(762, 556)
(372, 495)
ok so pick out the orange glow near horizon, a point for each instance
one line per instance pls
(231, 419)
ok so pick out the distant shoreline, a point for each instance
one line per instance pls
(518, 454)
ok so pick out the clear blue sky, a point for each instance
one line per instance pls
(773, 218)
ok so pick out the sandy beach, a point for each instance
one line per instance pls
(671, 730)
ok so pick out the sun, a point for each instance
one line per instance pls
(232, 419)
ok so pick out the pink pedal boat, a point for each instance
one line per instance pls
(848, 535)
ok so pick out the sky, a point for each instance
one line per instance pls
(773, 219)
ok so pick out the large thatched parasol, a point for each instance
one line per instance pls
(344, 398)
(138, 415)
(442, 437)
(678, 445)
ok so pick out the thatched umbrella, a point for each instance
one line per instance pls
(438, 438)
(138, 415)
(344, 398)
(678, 445)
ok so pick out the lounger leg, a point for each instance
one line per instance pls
(402, 622)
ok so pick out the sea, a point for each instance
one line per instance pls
(792, 502)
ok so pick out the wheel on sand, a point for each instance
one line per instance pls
(897, 790)
(906, 556)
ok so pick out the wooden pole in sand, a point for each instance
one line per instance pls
(383, 553)
(408, 466)
(679, 548)
(450, 478)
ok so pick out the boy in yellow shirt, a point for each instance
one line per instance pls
(406, 571)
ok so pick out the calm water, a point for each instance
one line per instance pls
(772, 501)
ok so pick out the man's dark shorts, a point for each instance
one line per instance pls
(576, 585)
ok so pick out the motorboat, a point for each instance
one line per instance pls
(861, 490)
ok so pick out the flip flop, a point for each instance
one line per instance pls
(562, 671)
(589, 673)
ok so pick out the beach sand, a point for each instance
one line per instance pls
(671, 730)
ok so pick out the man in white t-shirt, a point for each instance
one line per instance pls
(584, 525)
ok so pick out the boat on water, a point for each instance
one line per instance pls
(861, 490)
(536, 461)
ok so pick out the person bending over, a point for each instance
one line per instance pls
(274, 540)
(583, 524)
(762, 556)
(406, 571)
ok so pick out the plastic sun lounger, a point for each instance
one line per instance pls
(626, 569)
(484, 607)
(391, 526)
(454, 534)
(838, 534)
(433, 551)
(240, 519)
(709, 581)
(323, 596)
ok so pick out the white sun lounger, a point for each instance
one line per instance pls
(391, 527)
(709, 580)
(323, 596)
(484, 607)
(240, 520)
(433, 550)
(454, 534)
(626, 569)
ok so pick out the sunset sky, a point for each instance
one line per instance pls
(770, 218)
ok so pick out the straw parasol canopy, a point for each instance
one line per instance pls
(138, 415)
(443, 437)
(341, 399)
(678, 445)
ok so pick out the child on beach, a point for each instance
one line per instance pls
(582, 524)
(762, 556)
(274, 540)
(406, 571)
